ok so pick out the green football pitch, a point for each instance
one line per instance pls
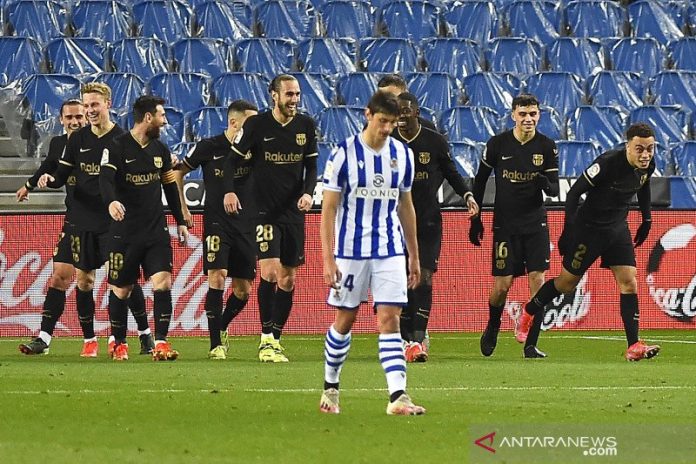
(61, 408)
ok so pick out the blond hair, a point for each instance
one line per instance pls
(98, 88)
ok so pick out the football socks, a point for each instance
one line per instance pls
(282, 306)
(630, 316)
(266, 295)
(213, 310)
(85, 312)
(163, 313)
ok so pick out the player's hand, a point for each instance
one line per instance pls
(175, 161)
(476, 231)
(332, 275)
(188, 217)
(183, 233)
(44, 180)
(473, 206)
(642, 232)
(117, 211)
(305, 202)
(542, 182)
(414, 273)
(22, 194)
(565, 241)
(231, 203)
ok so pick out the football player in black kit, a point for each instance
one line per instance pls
(90, 219)
(135, 168)
(599, 229)
(396, 85)
(525, 163)
(229, 247)
(433, 164)
(283, 148)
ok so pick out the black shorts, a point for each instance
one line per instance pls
(516, 254)
(126, 259)
(89, 250)
(284, 241)
(613, 244)
(62, 253)
(429, 244)
(231, 249)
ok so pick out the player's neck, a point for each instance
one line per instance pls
(523, 137)
(280, 117)
(229, 134)
(374, 142)
(409, 133)
(139, 135)
(101, 129)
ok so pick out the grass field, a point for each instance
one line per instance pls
(61, 408)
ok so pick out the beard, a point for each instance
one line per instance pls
(153, 133)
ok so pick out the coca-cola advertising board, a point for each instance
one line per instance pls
(666, 282)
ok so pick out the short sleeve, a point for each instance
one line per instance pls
(490, 154)
(111, 156)
(407, 181)
(69, 155)
(335, 170)
(597, 171)
(166, 158)
(245, 139)
(551, 157)
(312, 149)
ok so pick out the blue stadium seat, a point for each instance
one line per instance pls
(44, 94)
(682, 52)
(621, 88)
(265, 56)
(142, 56)
(325, 150)
(348, 18)
(469, 123)
(19, 58)
(181, 150)
(107, 19)
(42, 20)
(671, 123)
(429, 115)
(491, 89)
(601, 124)
(535, 19)
(550, 123)
(172, 134)
(125, 88)
(649, 18)
(514, 55)
(75, 55)
(678, 10)
(559, 90)
(437, 91)
(638, 54)
(240, 85)
(466, 157)
(167, 20)
(388, 55)
(595, 18)
(206, 122)
(317, 92)
(475, 20)
(356, 88)
(684, 156)
(328, 56)
(578, 55)
(337, 123)
(457, 57)
(574, 156)
(286, 18)
(674, 88)
(206, 56)
(411, 19)
(692, 17)
(183, 91)
(228, 20)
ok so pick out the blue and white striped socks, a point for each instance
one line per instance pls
(336, 348)
(391, 355)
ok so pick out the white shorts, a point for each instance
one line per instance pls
(386, 278)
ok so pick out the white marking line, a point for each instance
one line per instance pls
(318, 390)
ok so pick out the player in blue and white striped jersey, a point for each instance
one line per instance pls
(367, 218)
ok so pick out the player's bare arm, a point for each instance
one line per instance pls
(407, 216)
(329, 206)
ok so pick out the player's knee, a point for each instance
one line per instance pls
(286, 282)
(216, 279)
(161, 282)
(85, 281)
(242, 288)
(628, 285)
(60, 281)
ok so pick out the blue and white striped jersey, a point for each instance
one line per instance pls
(367, 224)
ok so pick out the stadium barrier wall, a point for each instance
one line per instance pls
(666, 282)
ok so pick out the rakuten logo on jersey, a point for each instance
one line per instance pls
(673, 260)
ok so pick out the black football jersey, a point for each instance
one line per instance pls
(277, 152)
(83, 152)
(519, 202)
(56, 147)
(138, 186)
(614, 183)
(433, 164)
(211, 154)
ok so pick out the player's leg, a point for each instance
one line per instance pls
(422, 298)
(136, 304)
(85, 312)
(291, 257)
(268, 243)
(157, 263)
(213, 311)
(123, 271)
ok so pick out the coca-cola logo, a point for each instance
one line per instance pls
(672, 260)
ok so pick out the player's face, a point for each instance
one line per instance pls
(393, 89)
(526, 119)
(409, 115)
(156, 122)
(73, 118)
(287, 98)
(639, 151)
(96, 108)
(380, 125)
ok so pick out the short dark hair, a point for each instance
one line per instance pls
(383, 102)
(70, 102)
(146, 104)
(640, 129)
(408, 96)
(240, 106)
(392, 79)
(274, 86)
(525, 99)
